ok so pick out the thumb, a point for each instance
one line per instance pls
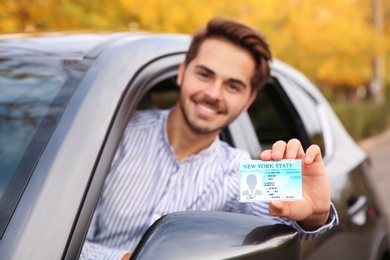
(277, 208)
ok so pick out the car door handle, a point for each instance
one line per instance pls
(357, 211)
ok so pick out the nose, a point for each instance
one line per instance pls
(214, 90)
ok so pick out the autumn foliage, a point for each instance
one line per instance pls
(332, 42)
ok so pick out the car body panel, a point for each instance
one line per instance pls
(71, 155)
(206, 237)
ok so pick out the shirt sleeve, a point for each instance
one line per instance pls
(98, 252)
(333, 221)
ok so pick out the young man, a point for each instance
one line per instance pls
(175, 159)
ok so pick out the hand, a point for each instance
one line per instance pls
(126, 256)
(313, 210)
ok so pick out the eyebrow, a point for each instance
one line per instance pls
(236, 81)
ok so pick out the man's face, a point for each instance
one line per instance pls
(215, 86)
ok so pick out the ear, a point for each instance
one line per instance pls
(180, 74)
(250, 100)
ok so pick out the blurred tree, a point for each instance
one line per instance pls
(377, 83)
(386, 33)
(332, 41)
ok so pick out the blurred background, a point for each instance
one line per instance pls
(343, 46)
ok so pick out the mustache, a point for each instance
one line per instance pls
(211, 102)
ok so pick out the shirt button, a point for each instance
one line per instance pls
(173, 178)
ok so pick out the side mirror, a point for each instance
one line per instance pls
(217, 235)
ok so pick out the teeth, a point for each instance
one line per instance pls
(208, 110)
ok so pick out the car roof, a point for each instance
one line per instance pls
(69, 45)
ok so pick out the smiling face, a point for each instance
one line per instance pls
(215, 86)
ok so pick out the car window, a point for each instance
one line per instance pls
(32, 97)
(165, 94)
(309, 111)
(275, 117)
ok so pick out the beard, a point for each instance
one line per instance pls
(205, 128)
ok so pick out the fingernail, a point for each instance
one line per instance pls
(308, 159)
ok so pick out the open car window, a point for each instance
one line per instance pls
(273, 115)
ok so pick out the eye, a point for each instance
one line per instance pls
(234, 87)
(203, 74)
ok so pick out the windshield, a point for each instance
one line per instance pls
(33, 95)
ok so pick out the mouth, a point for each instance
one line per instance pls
(207, 109)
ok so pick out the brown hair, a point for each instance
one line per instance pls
(241, 35)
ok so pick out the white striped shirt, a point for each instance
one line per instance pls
(146, 181)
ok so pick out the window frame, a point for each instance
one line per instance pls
(147, 77)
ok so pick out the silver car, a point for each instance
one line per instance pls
(64, 102)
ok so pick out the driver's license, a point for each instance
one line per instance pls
(270, 180)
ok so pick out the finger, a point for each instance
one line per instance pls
(277, 208)
(266, 155)
(278, 150)
(313, 154)
(294, 149)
